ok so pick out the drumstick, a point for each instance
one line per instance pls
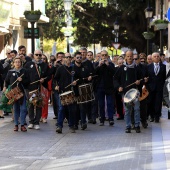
(134, 83)
(91, 76)
(16, 80)
(37, 81)
(71, 83)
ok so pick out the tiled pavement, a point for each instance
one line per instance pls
(97, 148)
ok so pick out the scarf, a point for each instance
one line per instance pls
(16, 70)
(37, 62)
(129, 65)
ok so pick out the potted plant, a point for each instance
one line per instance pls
(32, 16)
(161, 23)
(148, 35)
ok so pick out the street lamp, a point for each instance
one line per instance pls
(67, 5)
(116, 32)
(148, 15)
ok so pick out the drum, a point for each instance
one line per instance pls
(131, 96)
(14, 95)
(145, 93)
(36, 98)
(67, 98)
(85, 94)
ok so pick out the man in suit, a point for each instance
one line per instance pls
(157, 76)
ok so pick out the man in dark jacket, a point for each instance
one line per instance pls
(129, 74)
(39, 73)
(105, 88)
(157, 76)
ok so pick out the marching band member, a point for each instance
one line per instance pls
(65, 76)
(14, 74)
(82, 72)
(39, 76)
(129, 73)
(104, 87)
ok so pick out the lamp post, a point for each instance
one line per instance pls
(67, 33)
(148, 15)
(116, 32)
(161, 30)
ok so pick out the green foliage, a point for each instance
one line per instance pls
(161, 21)
(35, 12)
(93, 22)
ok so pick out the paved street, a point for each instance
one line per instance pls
(97, 148)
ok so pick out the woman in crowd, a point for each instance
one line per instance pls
(18, 77)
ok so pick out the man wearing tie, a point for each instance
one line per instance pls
(157, 76)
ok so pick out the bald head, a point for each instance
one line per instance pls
(37, 55)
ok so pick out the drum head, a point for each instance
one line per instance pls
(66, 93)
(130, 95)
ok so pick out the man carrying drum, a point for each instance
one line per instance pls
(65, 78)
(39, 77)
(128, 78)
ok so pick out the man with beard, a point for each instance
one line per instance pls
(84, 76)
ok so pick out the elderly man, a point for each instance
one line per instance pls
(149, 59)
(128, 77)
(39, 76)
(157, 76)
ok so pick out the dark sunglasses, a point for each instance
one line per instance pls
(135, 59)
(104, 54)
(38, 55)
(68, 57)
(79, 57)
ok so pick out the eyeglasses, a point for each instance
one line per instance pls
(38, 55)
(79, 57)
(104, 54)
(135, 59)
(67, 56)
(8, 53)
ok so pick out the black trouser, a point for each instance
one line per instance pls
(95, 107)
(55, 97)
(119, 104)
(155, 104)
(35, 117)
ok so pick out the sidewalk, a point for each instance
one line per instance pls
(97, 148)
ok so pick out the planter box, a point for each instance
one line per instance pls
(148, 35)
(161, 26)
(32, 17)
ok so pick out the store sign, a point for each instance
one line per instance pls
(28, 33)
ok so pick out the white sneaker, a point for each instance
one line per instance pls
(44, 120)
(30, 126)
(37, 127)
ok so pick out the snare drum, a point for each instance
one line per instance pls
(14, 95)
(131, 96)
(86, 94)
(67, 98)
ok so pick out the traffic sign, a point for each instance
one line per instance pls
(116, 45)
(168, 14)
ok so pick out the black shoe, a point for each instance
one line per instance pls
(1, 117)
(137, 129)
(120, 118)
(6, 114)
(72, 130)
(94, 122)
(84, 126)
(101, 124)
(111, 122)
(55, 117)
(128, 130)
(145, 125)
(156, 120)
(76, 127)
(90, 121)
(151, 120)
(59, 130)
